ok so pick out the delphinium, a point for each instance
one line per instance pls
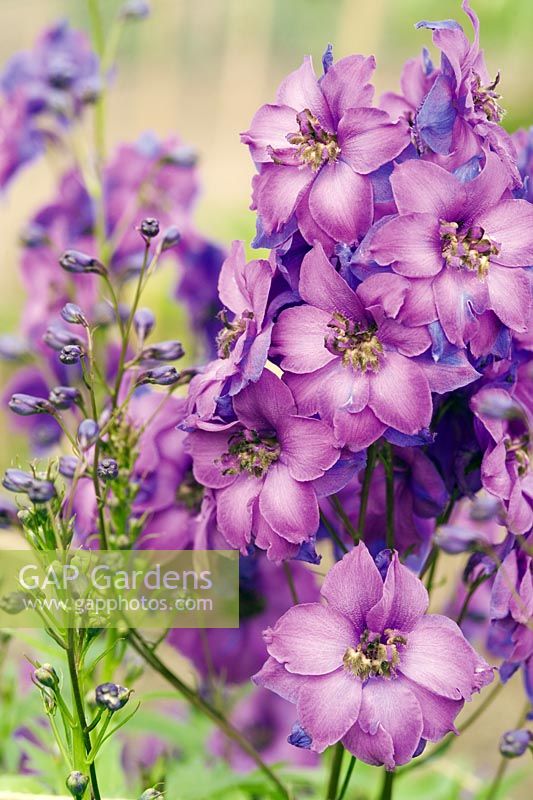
(364, 414)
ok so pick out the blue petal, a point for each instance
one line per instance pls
(327, 58)
(437, 115)
(443, 25)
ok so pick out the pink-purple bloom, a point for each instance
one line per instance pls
(369, 667)
(262, 468)
(316, 147)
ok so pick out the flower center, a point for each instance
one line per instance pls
(249, 451)
(518, 447)
(486, 99)
(358, 347)
(471, 250)
(373, 657)
(315, 145)
(231, 331)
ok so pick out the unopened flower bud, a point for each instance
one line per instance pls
(135, 9)
(57, 337)
(13, 348)
(45, 675)
(77, 783)
(299, 738)
(149, 227)
(81, 263)
(68, 465)
(160, 376)
(41, 491)
(107, 469)
(16, 480)
(515, 743)
(70, 354)
(34, 235)
(25, 405)
(14, 603)
(171, 238)
(143, 322)
(88, 431)
(64, 397)
(73, 314)
(112, 696)
(163, 351)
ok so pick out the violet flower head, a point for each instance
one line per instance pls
(315, 148)
(370, 668)
(353, 368)
(461, 245)
(262, 467)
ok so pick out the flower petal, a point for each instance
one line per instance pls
(510, 225)
(234, 510)
(306, 447)
(328, 705)
(411, 243)
(269, 129)
(276, 192)
(404, 600)
(346, 85)
(289, 507)
(376, 750)
(510, 296)
(354, 586)
(299, 336)
(368, 139)
(357, 430)
(340, 201)
(399, 394)
(322, 286)
(438, 713)
(300, 90)
(275, 677)
(425, 188)
(263, 404)
(206, 449)
(310, 639)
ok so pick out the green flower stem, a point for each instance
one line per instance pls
(347, 778)
(388, 783)
(388, 464)
(335, 772)
(290, 582)
(343, 516)
(332, 532)
(80, 731)
(203, 705)
(365, 490)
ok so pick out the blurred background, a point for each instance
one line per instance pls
(201, 69)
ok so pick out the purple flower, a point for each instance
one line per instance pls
(460, 114)
(315, 149)
(59, 75)
(21, 141)
(262, 467)
(505, 468)
(351, 365)
(461, 244)
(511, 609)
(514, 744)
(370, 669)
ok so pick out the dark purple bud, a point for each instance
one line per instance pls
(70, 354)
(13, 348)
(160, 376)
(135, 9)
(8, 514)
(107, 469)
(143, 322)
(112, 696)
(34, 235)
(64, 397)
(77, 783)
(88, 431)
(14, 603)
(46, 675)
(57, 337)
(515, 743)
(149, 227)
(41, 491)
(25, 405)
(81, 263)
(383, 560)
(478, 566)
(68, 465)
(299, 738)
(171, 238)
(163, 351)
(16, 480)
(151, 794)
(73, 314)
(421, 746)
